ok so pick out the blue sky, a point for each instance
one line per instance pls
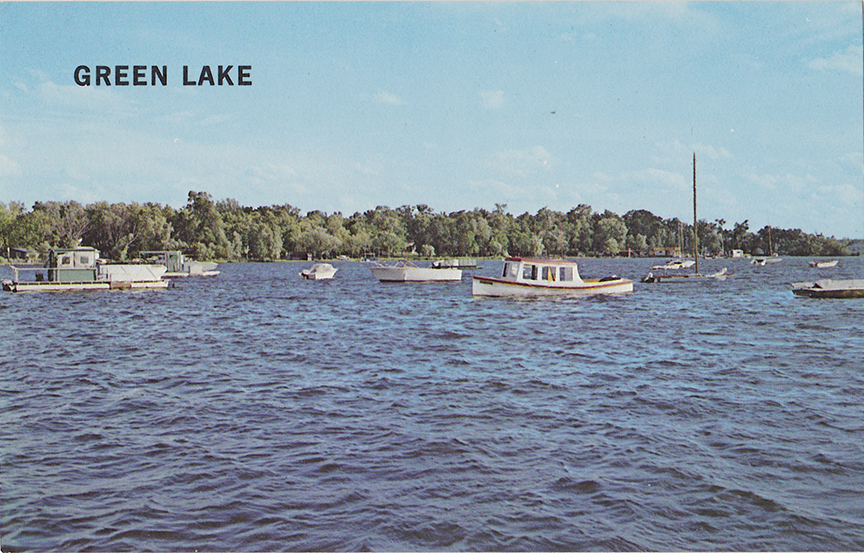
(455, 105)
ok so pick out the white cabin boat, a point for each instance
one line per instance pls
(824, 264)
(319, 271)
(546, 277)
(178, 265)
(465, 263)
(405, 271)
(674, 265)
(81, 269)
(828, 288)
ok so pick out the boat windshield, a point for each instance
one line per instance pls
(511, 270)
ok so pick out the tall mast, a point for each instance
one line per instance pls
(695, 231)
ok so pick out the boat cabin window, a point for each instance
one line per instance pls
(529, 272)
(565, 274)
(84, 260)
(66, 260)
(511, 270)
(549, 273)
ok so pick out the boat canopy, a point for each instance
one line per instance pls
(545, 270)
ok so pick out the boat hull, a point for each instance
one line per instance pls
(837, 289)
(10, 286)
(416, 274)
(104, 277)
(688, 277)
(191, 274)
(496, 287)
(320, 271)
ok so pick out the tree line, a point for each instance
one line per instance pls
(225, 230)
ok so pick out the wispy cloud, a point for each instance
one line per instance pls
(521, 163)
(849, 60)
(492, 99)
(8, 167)
(388, 99)
(653, 177)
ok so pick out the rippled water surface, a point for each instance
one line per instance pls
(257, 411)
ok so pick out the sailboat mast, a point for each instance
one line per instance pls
(770, 247)
(695, 231)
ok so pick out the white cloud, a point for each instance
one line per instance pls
(271, 172)
(495, 189)
(849, 61)
(367, 169)
(788, 182)
(675, 151)
(101, 100)
(388, 99)
(846, 194)
(521, 163)
(492, 99)
(8, 167)
(653, 176)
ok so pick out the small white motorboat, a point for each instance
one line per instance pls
(546, 277)
(405, 271)
(762, 261)
(319, 271)
(823, 264)
(674, 265)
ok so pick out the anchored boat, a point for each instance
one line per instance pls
(405, 271)
(319, 271)
(828, 288)
(81, 269)
(823, 264)
(546, 277)
(664, 276)
(178, 265)
(466, 263)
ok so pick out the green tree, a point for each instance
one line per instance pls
(610, 233)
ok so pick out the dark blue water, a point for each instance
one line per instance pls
(256, 411)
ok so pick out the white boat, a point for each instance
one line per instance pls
(466, 263)
(545, 277)
(178, 265)
(81, 269)
(405, 271)
(824, 264)
(319, 271)
(674, 265)
(829, 288)
(686, 277)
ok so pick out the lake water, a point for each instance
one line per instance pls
(256, 411)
